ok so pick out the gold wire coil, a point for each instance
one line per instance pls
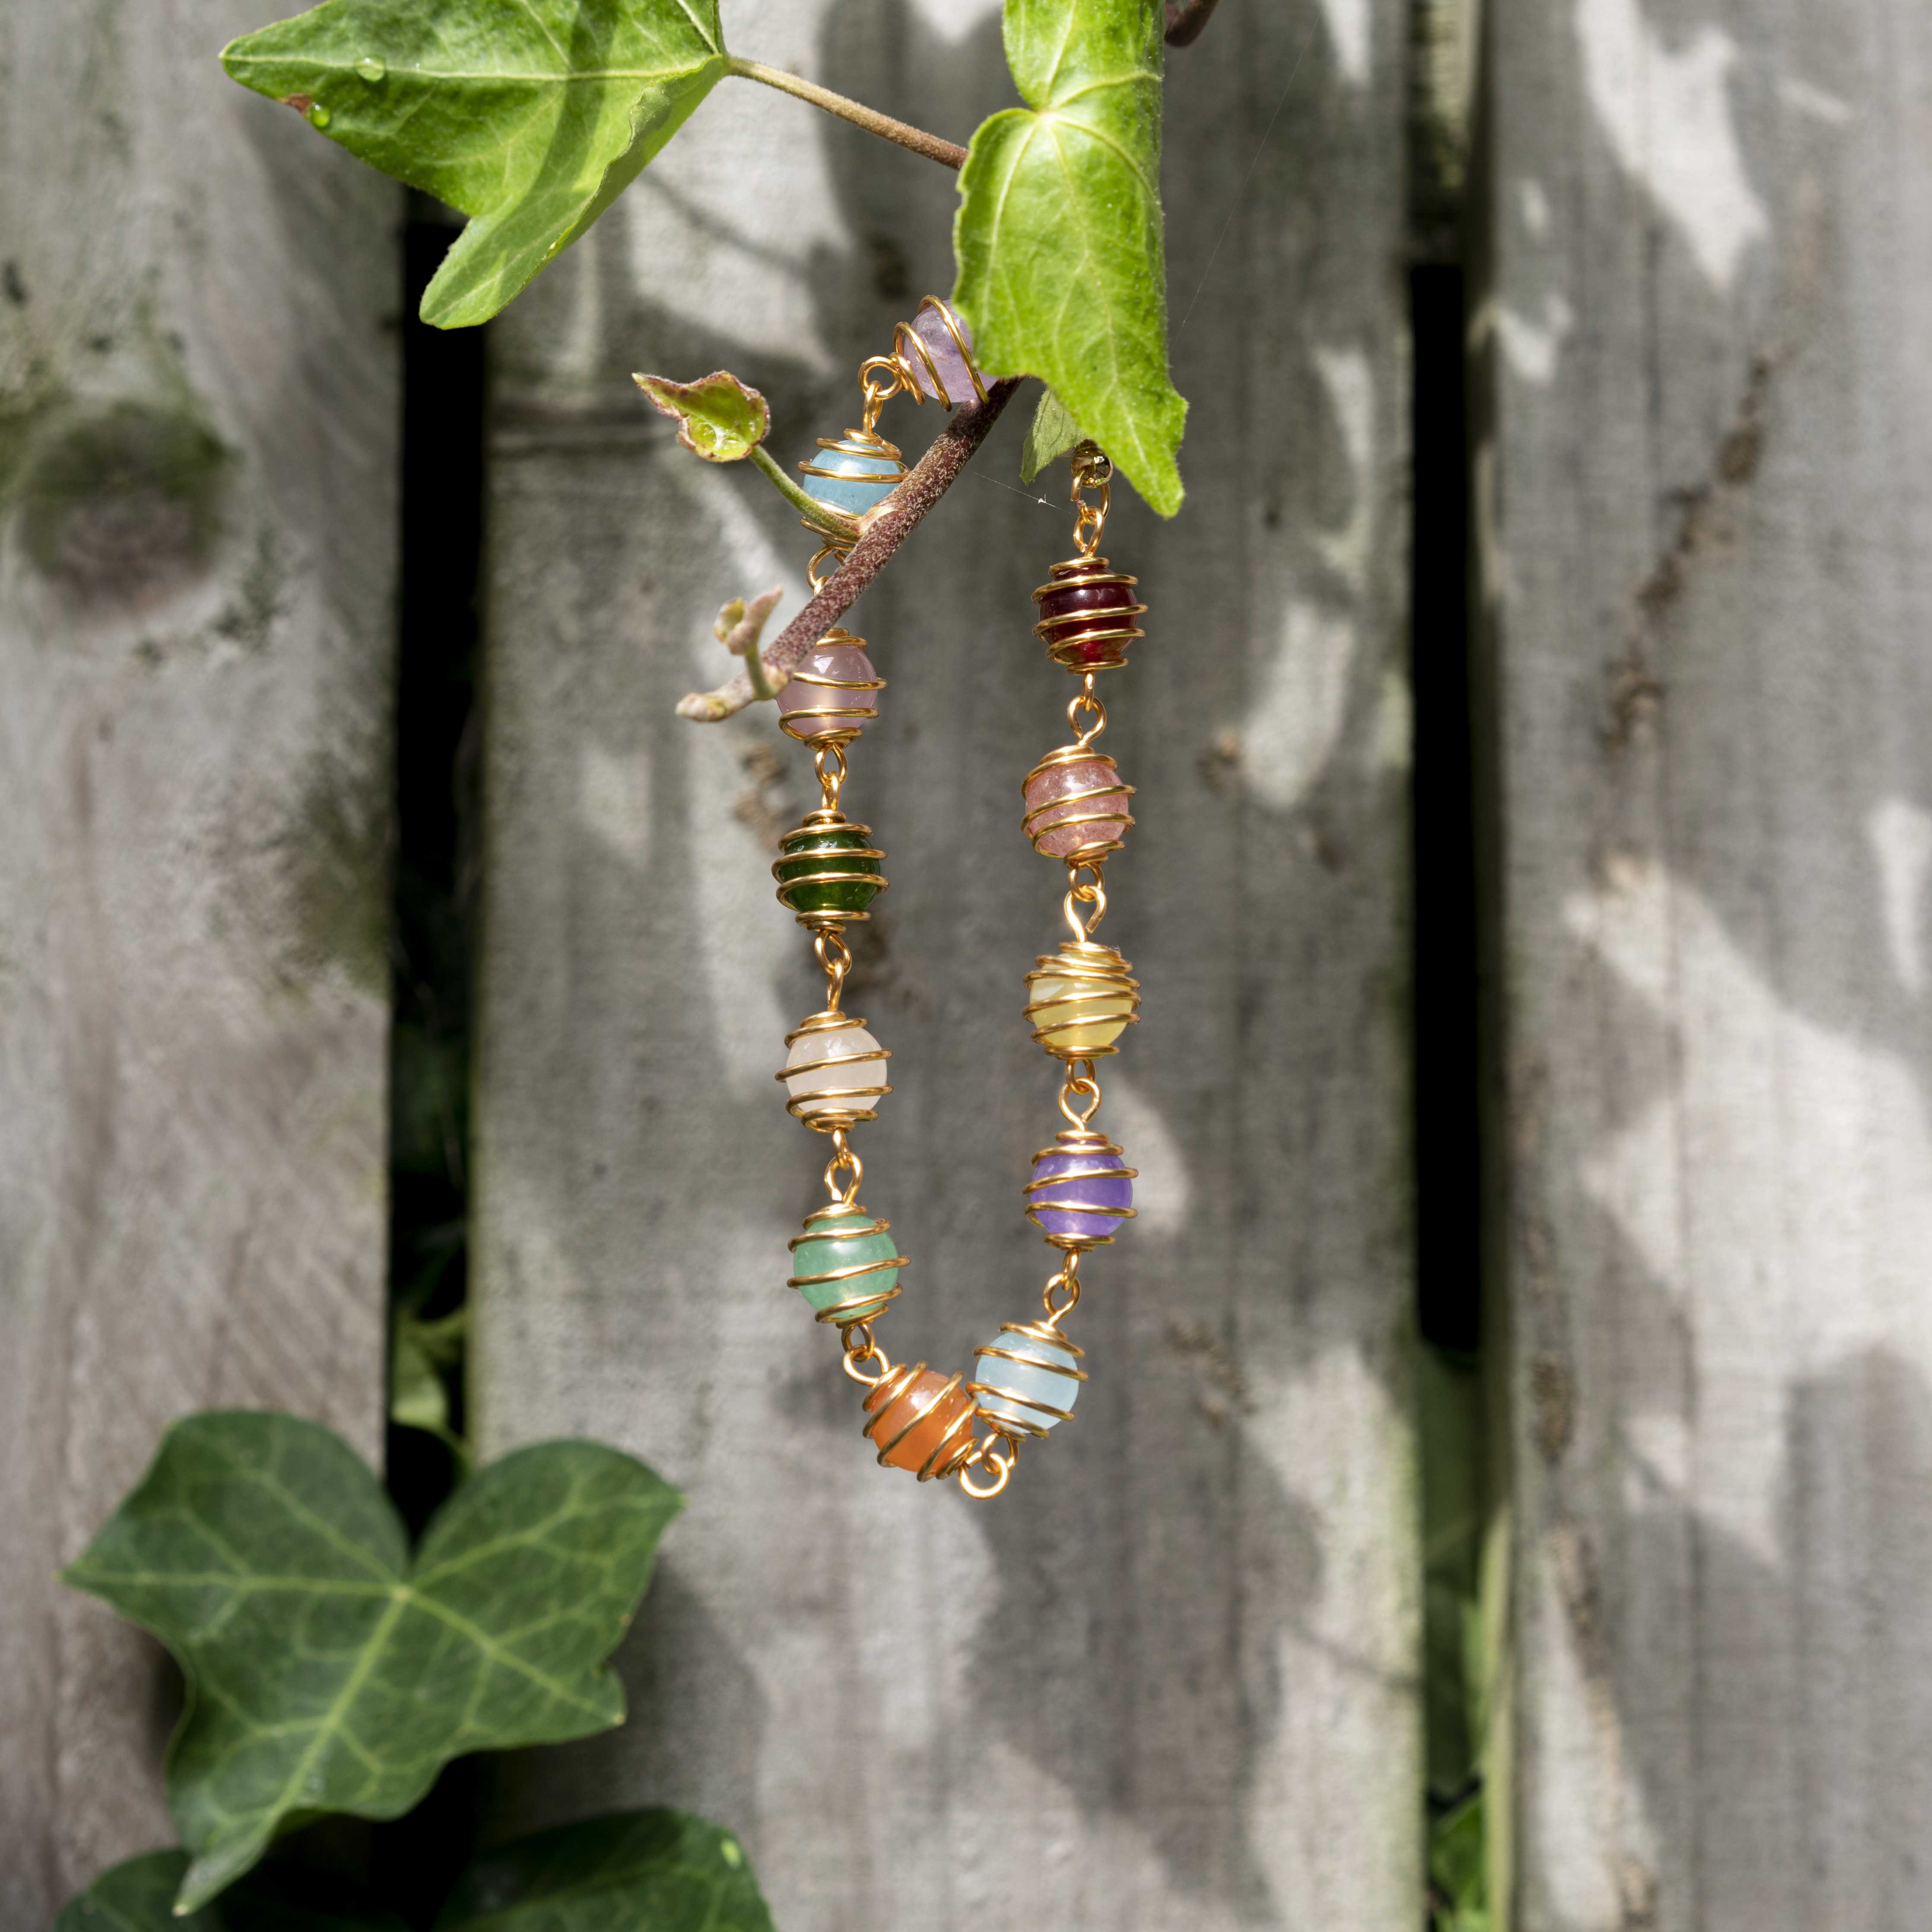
(892, 1418)
(862, 708)
(837, 867)
(865, 441)
(1102, 1161)
(1035, 1416)
(1038, 824)
(1092, 639)
(829, 1109)
(911, 366)
(862, 1303)
(1097, 991)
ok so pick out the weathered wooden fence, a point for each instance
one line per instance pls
(1172, 1681)
(1707, 524)
(198, 455)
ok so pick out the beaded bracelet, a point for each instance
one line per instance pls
(1081, 997)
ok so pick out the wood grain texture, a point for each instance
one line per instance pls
(1170, 1680)
(1709, 499)
(197, 455)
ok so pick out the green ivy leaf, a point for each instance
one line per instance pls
(1456, 1868)
(662, 1870)
(529, 116)
(419, 1352)
(327, 1672)
(720, 418)
(1052, 434)
(1058, 234)
(139, 1896)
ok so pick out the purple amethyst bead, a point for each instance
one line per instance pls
(956, 378)
(1087, 1196)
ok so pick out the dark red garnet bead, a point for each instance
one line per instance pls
(1087, 615)
(1116, 595)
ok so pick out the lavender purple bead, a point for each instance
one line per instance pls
(1087, 1195)
(956, 378)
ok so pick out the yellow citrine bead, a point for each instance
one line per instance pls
(1080, 999)
(1078, 1020)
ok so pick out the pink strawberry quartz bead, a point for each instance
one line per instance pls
(834, 689)
(1073, 807)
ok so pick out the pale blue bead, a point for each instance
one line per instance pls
(1031, 1381)
(862, 480)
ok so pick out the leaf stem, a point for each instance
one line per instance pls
(949, 154)
(833, 523)
(931, 477)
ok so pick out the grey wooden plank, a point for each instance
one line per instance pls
(1710, 481)
(1169, 1681)
(197, 449)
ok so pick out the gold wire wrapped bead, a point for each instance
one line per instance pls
(1028, 1379)
(1087, 615)
(848, 1264)
(931, 357)
(835, 1072)
(854, 472)
(1081, 1190)
(1084, 998)
(1077, 806)
(920, 1420)
(827, 871)
(828, 698)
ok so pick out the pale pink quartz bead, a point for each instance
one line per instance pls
(1063, 794)
(817, 699)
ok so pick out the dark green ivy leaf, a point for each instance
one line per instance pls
(1061, 269)
(1456, 1869)
(326, 1671)
(662, 1870)
(529, 116)
(139, 1896)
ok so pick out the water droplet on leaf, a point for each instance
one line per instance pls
(319, 116)
(371, 69)
(728, 1849)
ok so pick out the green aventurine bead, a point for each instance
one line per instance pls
(809, 852)
(817, 1254)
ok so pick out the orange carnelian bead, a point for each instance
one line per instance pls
(923, 1413)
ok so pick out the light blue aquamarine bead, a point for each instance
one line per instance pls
(861, 479)
(1025, 1391)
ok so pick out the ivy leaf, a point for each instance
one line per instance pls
(529, 116)
(1456, 1868)
(664, 1869)
(328, 1672)
(1052, 434)
(720, 418)
(419, 1352)
(139, 1896)
(1058, 234)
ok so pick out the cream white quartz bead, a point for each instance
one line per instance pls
(834, 1073)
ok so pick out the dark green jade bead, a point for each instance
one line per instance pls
(809, 856)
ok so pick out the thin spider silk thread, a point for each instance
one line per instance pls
(1247, 180)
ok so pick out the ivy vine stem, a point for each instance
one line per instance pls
(949, 154)
(896, 519)
(833, 523)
